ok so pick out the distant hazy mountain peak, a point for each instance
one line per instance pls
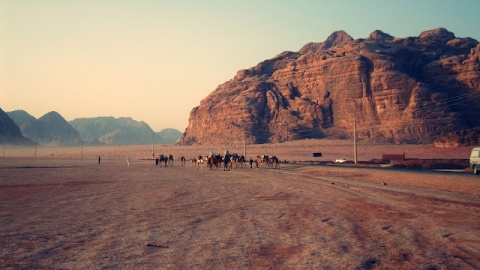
(121, 131)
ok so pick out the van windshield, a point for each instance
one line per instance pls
(475, 153)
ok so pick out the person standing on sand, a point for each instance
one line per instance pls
(99, 159)
(128, 161)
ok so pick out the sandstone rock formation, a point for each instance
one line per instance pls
(466, 137)
(398, 90)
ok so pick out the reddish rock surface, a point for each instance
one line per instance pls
(399, 90)
(460, 138)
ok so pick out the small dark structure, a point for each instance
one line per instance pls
(393, 157)
(317, 154)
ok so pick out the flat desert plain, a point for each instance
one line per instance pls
(59, 211)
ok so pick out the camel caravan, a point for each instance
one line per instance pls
(166, 160)
(266, 161)
(226, 162)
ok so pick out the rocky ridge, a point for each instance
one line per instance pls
(397, 90)
(121, 131)
(10, 133)
(51, 129)
(467, 137)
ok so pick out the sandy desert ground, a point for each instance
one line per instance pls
(292, 151)
(58, 211)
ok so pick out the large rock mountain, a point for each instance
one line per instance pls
(51, 129)
(10, 133)
(121, 131)
(397, 90)
(466, 137)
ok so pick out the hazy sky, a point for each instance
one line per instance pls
(156, 60)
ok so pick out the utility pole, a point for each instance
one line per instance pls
(286, 127)
(354, 137)
(153, 145)
(244, 138)
(82, 148)
(244, 143)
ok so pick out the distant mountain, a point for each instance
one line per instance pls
(51, 129)
(57, 131)
(121, 131)
(10, 133)
(168, 136)
(21, 117)
(28, 124)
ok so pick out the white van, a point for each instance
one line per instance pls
(475, 160)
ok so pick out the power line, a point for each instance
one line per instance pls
(429, 109)
(433, 108)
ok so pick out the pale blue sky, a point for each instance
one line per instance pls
(156, 60)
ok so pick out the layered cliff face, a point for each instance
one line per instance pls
(396, 89)
(466, 137)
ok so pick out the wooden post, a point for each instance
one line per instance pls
(354, 138)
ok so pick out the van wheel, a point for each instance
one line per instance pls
(475, 170)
